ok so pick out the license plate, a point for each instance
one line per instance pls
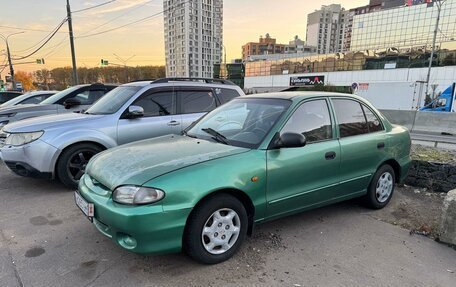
(87, 208)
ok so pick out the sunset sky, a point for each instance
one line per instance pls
(244, 21)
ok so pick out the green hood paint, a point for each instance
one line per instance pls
(139, 162)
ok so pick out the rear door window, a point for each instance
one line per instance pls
(350, 118)
(225, 95)
(373, 122)
(196, 101)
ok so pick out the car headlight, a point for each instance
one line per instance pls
(17, 139)
(137, 195)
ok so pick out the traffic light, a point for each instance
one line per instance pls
(40, 61)
(104, 62)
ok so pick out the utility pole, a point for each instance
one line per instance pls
(437, 21)
(73, 56)
(10, 66)
(10, 62)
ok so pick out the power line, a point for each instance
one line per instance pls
(26, 29)
(95, 6)
(45, 42)
(42, 40)
(120, 16)
(134, 22)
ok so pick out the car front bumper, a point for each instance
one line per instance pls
(144, 229)
(34, 159)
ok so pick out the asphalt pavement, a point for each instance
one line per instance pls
(45, 241)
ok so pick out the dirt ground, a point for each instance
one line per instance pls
(415, 209)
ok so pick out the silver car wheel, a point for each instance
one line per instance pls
(384, 188)
(221, 231)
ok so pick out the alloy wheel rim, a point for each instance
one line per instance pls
(221, 231)
(77, 164)
(384, 188)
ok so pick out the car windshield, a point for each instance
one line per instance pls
(58, 96)
(113, 100)
(240, 122)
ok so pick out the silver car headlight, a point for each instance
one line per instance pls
(137, 195)
(17, 139)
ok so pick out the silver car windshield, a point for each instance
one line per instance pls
(240, 122)
(113, 100)
(60, 95)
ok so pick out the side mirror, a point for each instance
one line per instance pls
(135, 112)
(290, 140)
(73, 102)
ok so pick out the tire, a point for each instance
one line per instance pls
(381, 188)
(197, 241)
(70, 161)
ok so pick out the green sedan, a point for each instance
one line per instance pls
(254, 159)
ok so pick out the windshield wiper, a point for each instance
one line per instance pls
(216, 135)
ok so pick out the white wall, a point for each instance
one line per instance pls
(442, 76)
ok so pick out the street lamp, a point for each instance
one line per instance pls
(124, 64)
(9, 56)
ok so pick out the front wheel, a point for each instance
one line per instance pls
(381, 188)
(216, 229)
(73, 161)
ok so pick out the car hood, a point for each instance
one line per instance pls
(48, 122)
(139, 162)
(27, 108)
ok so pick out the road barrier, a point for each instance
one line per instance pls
(427, 122)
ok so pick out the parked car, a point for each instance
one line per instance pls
(8, 95)
(73, 99)
(254, 159)
(35, 97)
(61, 145)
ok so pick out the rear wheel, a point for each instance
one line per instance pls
(73, 161)
(216, 229)
(381, 188)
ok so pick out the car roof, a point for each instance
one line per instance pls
(192, 82)
(299, 96)
(14, 92)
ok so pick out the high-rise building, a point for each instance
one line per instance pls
(193, 37)
(326, 27)
(405, 27)
(374, 6)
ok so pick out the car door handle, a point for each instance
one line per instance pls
(381, 145)
(173, 123)
(330, 155)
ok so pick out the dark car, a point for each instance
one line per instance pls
(74, 99)
(6, 96)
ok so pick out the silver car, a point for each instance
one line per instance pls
(72, 99)
(61, 145)
(34, 97)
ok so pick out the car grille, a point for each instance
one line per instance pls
(11, 166)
